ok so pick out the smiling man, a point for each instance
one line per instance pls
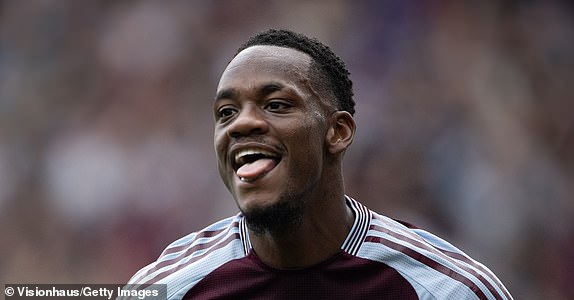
(283, 121)
(279, 139)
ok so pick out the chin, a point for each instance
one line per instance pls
(275, 217)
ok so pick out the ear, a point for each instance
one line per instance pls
(341, 133)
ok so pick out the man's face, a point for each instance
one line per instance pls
(270, 128)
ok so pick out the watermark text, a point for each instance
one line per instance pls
(86, 291)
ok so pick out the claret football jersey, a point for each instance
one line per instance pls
(380, 259)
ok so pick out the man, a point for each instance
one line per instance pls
(283, 121)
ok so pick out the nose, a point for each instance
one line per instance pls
(249, 121)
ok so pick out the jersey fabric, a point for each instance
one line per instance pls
(380, 259)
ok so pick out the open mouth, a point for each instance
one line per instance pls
(251, 164)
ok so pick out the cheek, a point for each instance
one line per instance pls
(309, 146)
(314, 136)
(219, 144)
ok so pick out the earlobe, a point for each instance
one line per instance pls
(341, 133)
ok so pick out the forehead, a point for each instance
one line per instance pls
(266, 63)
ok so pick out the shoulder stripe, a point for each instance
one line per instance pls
(456, 258)
(178, 267)
(193, 246)
(430, 263)
(480, 267)
(204, 234)
(189, 252)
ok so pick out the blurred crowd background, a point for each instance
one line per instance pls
(465, 113)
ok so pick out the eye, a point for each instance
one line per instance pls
(277, 105)
(225, 112)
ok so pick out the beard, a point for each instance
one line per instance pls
(278, 218)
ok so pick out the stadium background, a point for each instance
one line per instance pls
(464, 111)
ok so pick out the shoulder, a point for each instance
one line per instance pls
(201, 240)
(432, 265)
(188, 259)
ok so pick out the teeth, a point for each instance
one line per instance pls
(242, 153)
(244, 179)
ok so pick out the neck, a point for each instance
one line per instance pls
(316, 237)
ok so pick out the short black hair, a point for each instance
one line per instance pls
(329, 64)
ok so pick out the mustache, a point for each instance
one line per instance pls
(251, 139)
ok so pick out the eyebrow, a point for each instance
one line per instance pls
(264, 90)
(226, 94)
(270, 88)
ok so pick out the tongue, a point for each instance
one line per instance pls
(252, 171)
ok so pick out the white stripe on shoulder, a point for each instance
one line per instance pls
(465, 261)
(419, 260)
